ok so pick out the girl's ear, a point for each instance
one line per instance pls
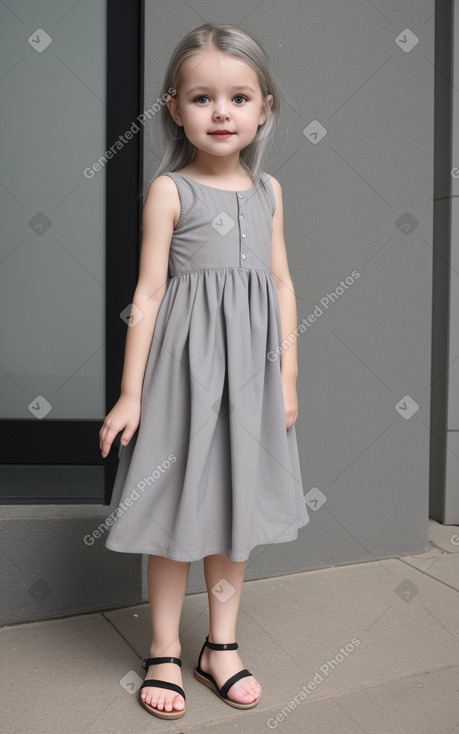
(172, 106)
(267, 104)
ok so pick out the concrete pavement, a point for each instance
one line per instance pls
(370, 647)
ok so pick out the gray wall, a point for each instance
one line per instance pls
(360, 200)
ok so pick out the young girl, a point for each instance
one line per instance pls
(209, 466)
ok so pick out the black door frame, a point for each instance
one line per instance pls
(76, 442)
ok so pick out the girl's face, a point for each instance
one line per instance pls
(218, 92)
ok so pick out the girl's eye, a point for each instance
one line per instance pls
(201, 97)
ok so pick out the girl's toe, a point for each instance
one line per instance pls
(244, 693)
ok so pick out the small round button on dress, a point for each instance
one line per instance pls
(212, 468)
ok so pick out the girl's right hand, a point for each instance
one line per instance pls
(124, 414)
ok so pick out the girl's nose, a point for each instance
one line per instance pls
(220, 112)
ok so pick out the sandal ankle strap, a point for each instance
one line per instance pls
(219, 646)
(157, 661)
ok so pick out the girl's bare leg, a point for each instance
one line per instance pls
(167, 581)
(225, 575)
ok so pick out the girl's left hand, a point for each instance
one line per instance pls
(290, 401)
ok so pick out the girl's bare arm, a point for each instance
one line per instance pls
(160, 213)
(157, 225)
(285, 290)
(287, 305)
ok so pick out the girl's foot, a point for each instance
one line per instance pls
(222, 664)
(160, 698)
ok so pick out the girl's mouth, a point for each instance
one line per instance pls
(222, 133)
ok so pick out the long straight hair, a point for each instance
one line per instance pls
(235, 42)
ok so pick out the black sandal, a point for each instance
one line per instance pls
(174, 714)
(208, 680)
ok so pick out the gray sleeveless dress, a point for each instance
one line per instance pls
(212, 468)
